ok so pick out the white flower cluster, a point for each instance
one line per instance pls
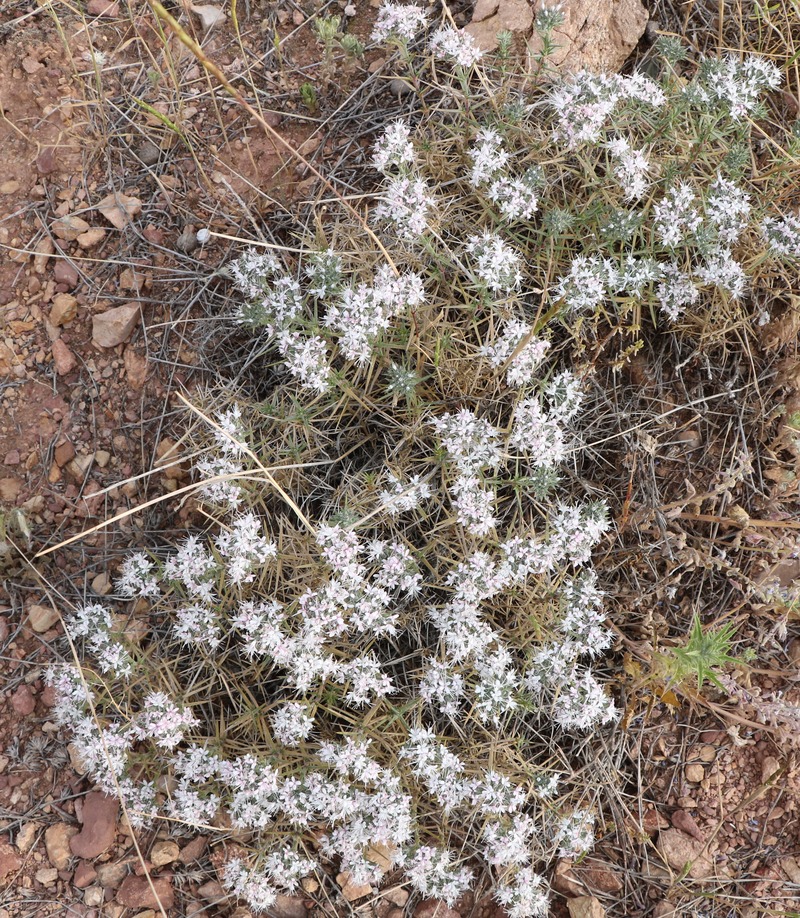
(588, 283)
(496, 263)
(676, 292)
(455, 45)
(400, 496)
(631, 168)
(525, 896)
(243, 548)
(783, 235)
(736, 83)
(291, 723)
(519, 350)
(515, 196)
(95, 623)
(162, 721)
(137, 577)
(399, 22)
(363, 311)
(584, 104)
(394, 149)
(676, 217)
(224, 463)
(406, 205)
(473, 445)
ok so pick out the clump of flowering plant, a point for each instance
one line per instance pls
(396, 601)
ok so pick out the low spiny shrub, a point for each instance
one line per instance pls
(380, 652)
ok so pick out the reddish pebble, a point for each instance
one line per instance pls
(84, 874)
(22, 701)
(63, 358)
(108, 8)
(65, 273)
(99, 819)
(136, 892)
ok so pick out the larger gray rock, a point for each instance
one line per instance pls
(595, 34)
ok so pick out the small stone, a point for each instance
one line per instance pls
(99, 826)
(102, 457)
(194, 850)
(187, 242)
(350, 890)
(85, 874)
(10, 489)
(9, 187)
(47, 876)
(400, 87)
(65, 273)
(12, 457)
(396, 895)
(288, 907)
(91, 237)
(208, 15)
(769, 767)
(78, 468)
(665, 910)
(212, 892)
(42, 251)
(56, 842)
(107, 8)
(148, 153)
(309, 886)
(791, 867)
(164, 852)
(63, 452)
(707, 754)
(65, 308)
(679, 849)
(23, 701)
(63, 359)
(686, 823)
(135, 892)
(10, 862)
(298, 18)
(136, 366)
(69, 228)
(434, 908)
(585, 907)
(596, 35)
(110, 875)
(119, 209)
(101, 584)
(42, 618)
(114, 326)
(694, 773)
(46, 161)
(26, 837)
(93, 896)
(76, 763)
(382, 856)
